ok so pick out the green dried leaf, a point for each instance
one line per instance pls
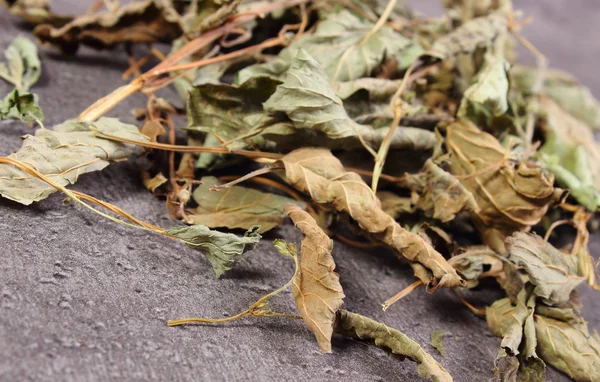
(573, 97)
(487, 97)
(223, 250)
(555, 274)
(392, 340)
(139, 22)
(477, 33)
(207, 14)
(23, 67)
(238, 207)
(63, 154)
(344, 47)
(571, 153)
(35, 12)
(476, 260)
(316, 289)
(461, 11)
(569, 347)
(441, 195)
(20, 106)
(437, 341)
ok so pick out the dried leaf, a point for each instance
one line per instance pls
(474, 262)
(441, 195)
(321, 175)
(487, 97)
(392, 340)
(517, 358)
(23, 67)
(62, 154)
(344, 47)
(571, 153)
(476, 33)
(555, 274)
(563, 89)
(569, 347)
(316, 289)
(437, 341)
(20, 106)
(395, 205)
(238, 207)
(510, 196)
(139, 22)
(207, 14)
(35, 12)
(223, 250)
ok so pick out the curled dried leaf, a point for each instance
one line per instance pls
(20, 106)
(223, 250)
(138, 22)
(392, 340)
(321, 175)
(35, 12)
(316, 289)
(23, 67)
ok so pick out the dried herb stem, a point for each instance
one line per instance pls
(405, 292)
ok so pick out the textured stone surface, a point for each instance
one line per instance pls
(82, 299)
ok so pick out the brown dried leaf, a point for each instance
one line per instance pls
(155, 182)
(138, 22)
(35, 12)
(510, 196)
(317, 290)
(320, 174)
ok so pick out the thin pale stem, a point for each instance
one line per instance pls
(405, 292)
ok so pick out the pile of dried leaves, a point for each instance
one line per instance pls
(354, 119)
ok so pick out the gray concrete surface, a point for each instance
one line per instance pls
(82, 299)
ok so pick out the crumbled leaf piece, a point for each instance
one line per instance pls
(320, 174)
(511, 196)
(441, 195)
(392, 340)
(63, 154)
(569, 347)
(155, 182)
(207, 14)
(35, 12)
(461, 11)
(487, 97)
(573, 97)
(517, 358)
(571, 153)
(474, 262)
(139, 22)
(23, 67)
(316, 289)
(554, 273)
(344, 47)
(476, 33)
(238, 207)
(21, 106)
(437, 341)
(223, 250)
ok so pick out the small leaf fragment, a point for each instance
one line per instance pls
(316, 289)
(392, 340)
(20, 106)
(223, 250)
(437, 341)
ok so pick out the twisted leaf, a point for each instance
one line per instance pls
(392, 340)
(223, 250)
(316, 289)
(321, 175)
(238, 207)
(62, 154)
